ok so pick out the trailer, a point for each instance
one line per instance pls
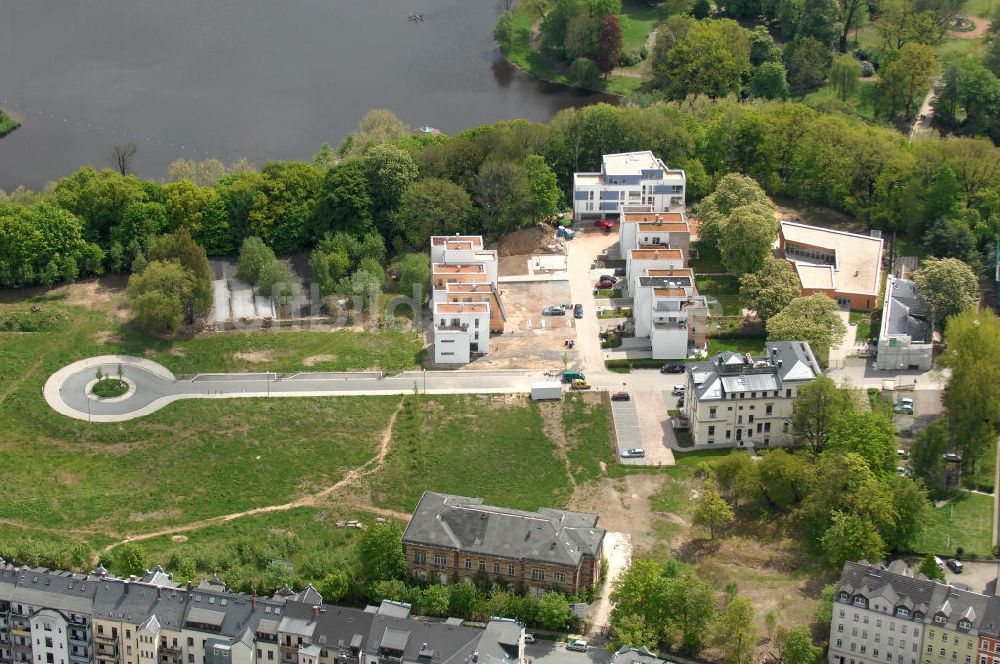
(544, 390)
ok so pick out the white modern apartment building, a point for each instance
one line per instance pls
(460, 330)
(668, 309)
(465, 299)
(735, 400)
(906, 339)
(668, 230)
(628, 182)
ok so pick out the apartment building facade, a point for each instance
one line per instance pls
(735, 400)
(906, 336)
(465, 298)
(628, 182)
(455, 537)
(667, 308)
(123, 621)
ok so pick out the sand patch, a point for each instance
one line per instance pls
(171, 513)
(106, 337)
(178, 538)
(255, 357)
(982, 27)
(177, 352)
(67, 478)
(315, 359)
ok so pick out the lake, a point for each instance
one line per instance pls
(243, 78)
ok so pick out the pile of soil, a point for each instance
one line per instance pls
(538, 239)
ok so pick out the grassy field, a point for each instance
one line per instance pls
(488, 447)
(753, 345)
(7, 124)
(861, 104)
(708, 261)
(965, 521)
(863, 320)
(725, 290)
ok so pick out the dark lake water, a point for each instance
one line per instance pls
(259, 79)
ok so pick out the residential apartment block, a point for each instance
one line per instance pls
(884, 615)
(735, 400)
(51, 617)
(628, 182)
(454, 537)
(906, 338)
(668, 309)
(465, 299)
(844, 266)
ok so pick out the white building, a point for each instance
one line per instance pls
(905, 339)
(628, 182)
(668, 309)
(735, 400)
(460, 330)
(639, 261)
(668, 230)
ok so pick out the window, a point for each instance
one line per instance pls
(788, 393)
(439, 560)
(190, 642)
(270, 655)
(510, 570)
(537, 575)
(711, 412)
(420, 557)
(468, 563)
(939, 620)
(839, 643)
(560, 577)
(711, 430)
(482, 565)
(496, 568)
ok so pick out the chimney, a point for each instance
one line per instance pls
(126, 583)
(315, 613)
(253, 600)
(159, 592)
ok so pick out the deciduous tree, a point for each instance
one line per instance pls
(609, 45)
(432, 207)
(736, 632)
(946, 286)
(712, 511)
(870, 435)
(844, 76)
(852, 537)
(381, 552)
(746, 244)
(817, 406)
(769, 289)
(815, 319)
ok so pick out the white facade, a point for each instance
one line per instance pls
(670, 312)
(905, 339)
(49, 638)
(460, 330)
(639, 261)
(631, 181)
(737, 400)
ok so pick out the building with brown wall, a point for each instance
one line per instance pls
(454, 536)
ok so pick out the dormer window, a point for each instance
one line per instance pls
(964, 624)
(939, 619)
(859, 601)
(902, 613)
(843, 594)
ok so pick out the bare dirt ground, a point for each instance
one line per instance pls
(623, 506)
(982, 27)
(516, 249)
(819, 216)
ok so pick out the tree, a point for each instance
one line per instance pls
(820, 21)
(555, 24)
(927, 454)
(929, 568)
(181, 247)
(344, 201)
(769, 81)
(795, 646)
(946, 286)
(769, 289)
(848, 19)
(378, 127)
(692, 610)
(642, 591)
(817, 406)
(381, 552)
(584, 72)
(909, 500)
(749, 236)
(334, 586)
(390, 170)
(159, 296)
(414, 273)
(762, 47)
(632, 631)
(736, 632)
(973, 391)
(814, 319)
(543, 186)
(870, 435)
(905, 78)
(807, 62)
(710, 58)
(844, 76)
(712, 511)
(130, 559)
(501, 190)
(553, 611)
(503, 31)
(462, 599)
(279, 282)
(851, 537)
(435, 600)
(121, 157)
(609, 45)
(780, 478)
(432, 206)
(254, 257)
(733, 190)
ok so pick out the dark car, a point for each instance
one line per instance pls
(606, 277)
(621, 396)
(604, 283)
(672, 368)
(554, 310)
(955, 566)
(619, 272)
(578, 311)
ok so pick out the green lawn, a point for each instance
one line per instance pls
(965, 521)
(861, 104)
(708, 259)
(7, 124)
(753, 345)
(241, 551)
(637, 20)
(499, 451)
(863, 320)
(725, 290)
(586, 422)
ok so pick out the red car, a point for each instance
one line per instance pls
(605, 224)
(605, 283)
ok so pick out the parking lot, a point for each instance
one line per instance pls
(642, 421)
(554, 652)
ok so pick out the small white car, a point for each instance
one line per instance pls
(634, 453)
(529, 637)
(678, 391)
(578, 645)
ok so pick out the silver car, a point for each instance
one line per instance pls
(634, 453)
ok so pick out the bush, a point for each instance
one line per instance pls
(584, 72)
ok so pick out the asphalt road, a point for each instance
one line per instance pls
(554, 652)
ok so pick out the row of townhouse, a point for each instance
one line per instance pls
(884, 615)
(53, 617)
(465, 297)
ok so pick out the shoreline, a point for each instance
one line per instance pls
(8, 123)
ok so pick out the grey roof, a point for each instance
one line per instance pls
(957, 606)
(396, 609)
(641, 655)
(158, 577)
(990, 624)
(870, 581)
(238, 612)
(783, 363)
(336, 627)
(466, 525)
(136, 602)
(445, 643)
(665, 282)
(206, 617)
(51, 589)
(904, 313)
(500, 642)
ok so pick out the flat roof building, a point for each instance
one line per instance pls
(906, 336)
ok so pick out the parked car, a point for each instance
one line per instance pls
(579, 645)
(578, 311)
(554, 310)
(529, 637)
(952, 457)
(903, 408)
(619, 272)
(607, 277)
(678, 391)
(902, 472)
(579, 384)
(621, 396)
(605, 224)
(672, 368)
(902, 454)
(939, 563)
(955, 566)
(604, 283)
(634, 453)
